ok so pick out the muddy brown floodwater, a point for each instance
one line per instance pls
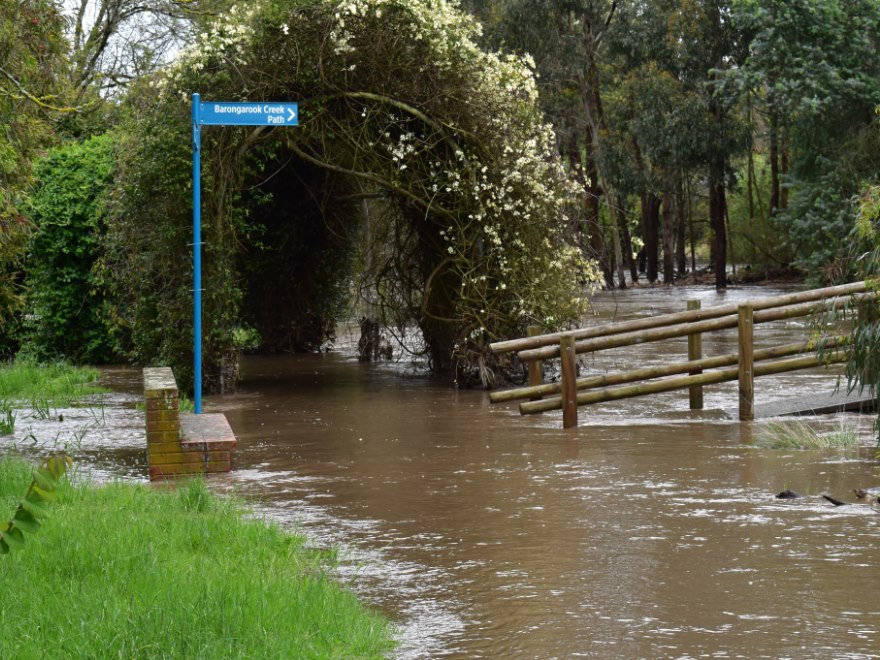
(648, 532)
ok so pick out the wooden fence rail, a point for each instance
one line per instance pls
(743, 366)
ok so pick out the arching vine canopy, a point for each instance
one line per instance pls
(421, 172)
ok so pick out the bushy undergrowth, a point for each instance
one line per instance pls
(132, 571)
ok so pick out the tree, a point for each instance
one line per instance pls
(862, 261)
(398, 103)
(117, 41)
(31, 62)
(709, 45)
(814, 69)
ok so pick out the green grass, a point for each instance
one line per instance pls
(43, 385)
(7, 418)
(138, 572)
(799, 435)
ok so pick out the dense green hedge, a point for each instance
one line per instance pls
(68, 311)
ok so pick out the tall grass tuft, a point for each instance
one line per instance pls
(7, 418)
(56, 384)
(799, 435)
(132, 571)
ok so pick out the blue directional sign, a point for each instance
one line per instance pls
(231, 113)
(220, 113)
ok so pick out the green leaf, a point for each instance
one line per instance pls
(4, 547)
(14, 538)
(33, 508)
(45, 495)
(44, 479)
(58, 465)
(26, 522)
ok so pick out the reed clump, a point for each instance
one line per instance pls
(127, 570)
(800, 435)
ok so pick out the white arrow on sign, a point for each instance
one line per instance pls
(292, 114)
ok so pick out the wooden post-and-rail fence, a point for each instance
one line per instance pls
(744, 365)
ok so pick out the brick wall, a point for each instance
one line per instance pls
(182, 444)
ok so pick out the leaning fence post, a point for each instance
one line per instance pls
(569, 385)
(536, 367)
(695, 352)
(746, 363)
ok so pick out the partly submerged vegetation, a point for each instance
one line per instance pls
(41, 388)
(55, 382)
(796, 434)
(132, 571)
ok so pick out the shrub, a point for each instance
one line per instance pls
(69, 313)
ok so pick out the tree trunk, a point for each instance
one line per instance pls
(680, 237)
(783, 168)
(651, 228)
(627, 240)
(618, 252)
(717, 203)
(597, 237)
(594, 114)
(692, 231)
(774, 164)
(668, 211)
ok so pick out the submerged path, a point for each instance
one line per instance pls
(833, 402)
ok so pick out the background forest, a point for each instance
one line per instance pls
(735, 137)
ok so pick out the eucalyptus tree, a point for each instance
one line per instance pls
(677, 114)
(814, 70)
(708, 45)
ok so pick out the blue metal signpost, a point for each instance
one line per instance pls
(221, 113)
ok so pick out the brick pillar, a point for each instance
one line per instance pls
(163, 420)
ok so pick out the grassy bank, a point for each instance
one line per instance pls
(131, 571)
(58, 383)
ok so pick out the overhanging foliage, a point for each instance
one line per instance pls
(415, 145)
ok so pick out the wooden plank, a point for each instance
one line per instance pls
(833, 402)
(552, 339)
(682, 382)
(693, 367)
(611, 340)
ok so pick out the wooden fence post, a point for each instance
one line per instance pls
(569, 385)
(695, 352)
(746, 363)
(536, 367)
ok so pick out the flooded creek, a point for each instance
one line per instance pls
(650, 531)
